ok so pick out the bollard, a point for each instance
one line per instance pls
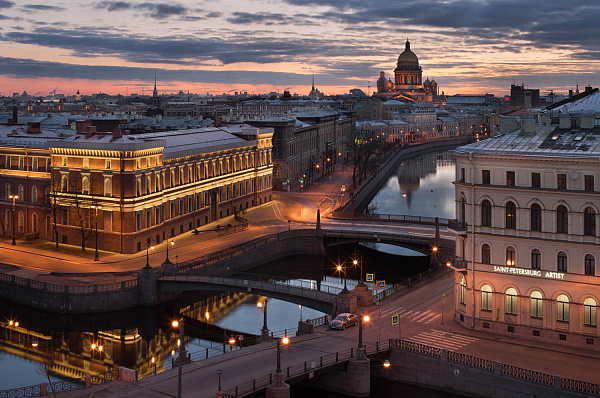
(336, 356)
(207, 353)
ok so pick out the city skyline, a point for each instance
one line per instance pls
(468, 46)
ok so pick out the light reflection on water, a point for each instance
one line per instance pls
(421, 186)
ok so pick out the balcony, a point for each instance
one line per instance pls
(457, 227)
(457, 264)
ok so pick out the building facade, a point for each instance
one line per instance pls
(135, 189)
(527, 237)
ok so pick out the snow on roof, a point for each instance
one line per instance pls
(590, 103)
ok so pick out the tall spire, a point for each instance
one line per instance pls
(155, 93)
(313, 86)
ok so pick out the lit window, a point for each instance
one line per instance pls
(589, 312)
(511, 301)
(561, 260)
(486, 298)
(590, 265)
(536, 304)
(510, 256)
(511, 215)
(562, 305)
(463, 291)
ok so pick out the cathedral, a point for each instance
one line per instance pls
(408, 82)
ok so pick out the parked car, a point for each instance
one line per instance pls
(343, 320)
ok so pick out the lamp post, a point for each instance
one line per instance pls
(148, 246)
(219, 372)
(357, 261)
(360, 352)
(96, 207)
(169, 243)
(14, 199)
(341, 269)
(265, 330)
(179, 324)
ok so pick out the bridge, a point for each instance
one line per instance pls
(307, 293)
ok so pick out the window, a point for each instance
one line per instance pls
(485, 177)
(21, 193)
(536, 304)
(463, 291)
(562, 305)
(486, 213)
(34, 164)
(107, 187)
(536, 259)
(589, 222)
(590, 265)
(561, 181)
(148, 185)
(64, 161)
(511, 215)
(562, 220)
(510, 178)
(589, 183)
(21, 221)
(510, 256)
(462, 174)
(536, 217)
(561, 260)
(486, 254)
(21, 163)
(34, 194)
(8, 160)
(536, 180)
(589, 312)
(107, 164)
(138, 220)
(486, 298)
(138, 188)
(511, 301)
(85, 185)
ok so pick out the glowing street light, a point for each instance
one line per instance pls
(14, 199)
(265, 330)
(179, 324)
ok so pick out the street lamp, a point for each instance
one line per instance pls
(341, 269)
(14, 199)
(280, 341)
(357, 261)
(179, 324)
(265, 330)
(148, 246)
(219, 372)
(169, 243)
(96, 207)
(360, 352)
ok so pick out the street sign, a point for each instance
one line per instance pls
(381, 284)
(370, 277)
(443, 298)
(395, 319)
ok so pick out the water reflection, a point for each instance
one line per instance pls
(421, 186)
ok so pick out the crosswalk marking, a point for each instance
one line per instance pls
(441, 339)
(425, 317)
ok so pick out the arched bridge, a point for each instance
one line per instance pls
(308, 293)
(419, 243)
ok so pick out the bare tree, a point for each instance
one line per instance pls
(44, 368)
(361, 146)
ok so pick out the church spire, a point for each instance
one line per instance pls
(313, 83)
(155, 92)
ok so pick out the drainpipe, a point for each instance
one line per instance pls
(472, 239)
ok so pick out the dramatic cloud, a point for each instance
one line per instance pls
(6, 4)
(42, 7)
(153, 10)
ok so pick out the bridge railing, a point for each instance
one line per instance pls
(413, 281)
(403, 218)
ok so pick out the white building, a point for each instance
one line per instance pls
(527, 237)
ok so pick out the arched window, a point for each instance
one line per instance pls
(486, 254)
(510, 256)
(34, 194)
(562, 305)
(107, 187)
(85, 185)
(536, 259)
(561, 262)
(536, 217)
(21, 193)
(486, 298)
(34, 222)
(181, 176)
(7, 191)
(589, 312)
(590, 265)
(148, 185)
(536, 304)
(463, 291)
(462, 210)
(158, 188)
(511, 215)
(172, 183)
(511, 301)
(486, 213)
(589, 222)
(138, 187)
(64, 183)
(562, 220)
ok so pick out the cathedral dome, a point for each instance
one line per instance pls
(408, 59)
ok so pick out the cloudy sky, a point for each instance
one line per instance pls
(468, 46)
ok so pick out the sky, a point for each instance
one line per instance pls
(258, 46)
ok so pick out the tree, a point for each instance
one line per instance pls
(361, 146)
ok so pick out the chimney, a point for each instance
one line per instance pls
(117, 133)
(34, 127)
(588, 89)
(217, 122)
(90, 131)
(15, 117)
(81, 125)
(570, 93)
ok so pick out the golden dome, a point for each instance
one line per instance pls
(408, 58)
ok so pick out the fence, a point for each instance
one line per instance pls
(73, 289)
(410, 282)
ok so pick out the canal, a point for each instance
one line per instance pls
(143, 339)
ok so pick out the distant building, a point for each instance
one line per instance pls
(408, 81)
(524, 97)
